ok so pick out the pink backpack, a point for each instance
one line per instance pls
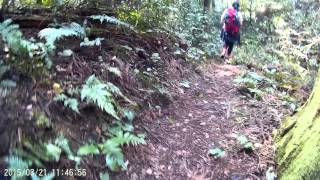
(232, 24)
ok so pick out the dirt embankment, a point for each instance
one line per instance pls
(183, 113)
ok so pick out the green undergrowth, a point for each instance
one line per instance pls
(116, 134)
(34, 58)
(297, 142)
(277, 64)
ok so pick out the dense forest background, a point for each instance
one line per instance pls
(79, 80)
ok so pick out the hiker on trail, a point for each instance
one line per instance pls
(231, 20)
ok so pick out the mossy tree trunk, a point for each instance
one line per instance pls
(298, 141)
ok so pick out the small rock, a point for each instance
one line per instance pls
(209, 91)
(202, 124)
(207, 136)
(162, 167)
(29, 107)
(236, 177)
(66, 53)
(181, 91)
(134, 176)
(258, 145)
(164, 149)
(190, 115)
(149, 171)
(198, 70)
(184, 130)
(34, 99)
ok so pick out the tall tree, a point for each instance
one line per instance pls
(4, 8)
(298, 141)
(208, 5)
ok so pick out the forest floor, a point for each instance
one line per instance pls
(207, 115)
(202, 110)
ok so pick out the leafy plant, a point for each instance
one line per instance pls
(104, 176)
(185, 84)
(53, 151)
(37, 153)
(6, 86)
(42, 120)
(148, 15)
(103, 95)
(88, 149)
(63, 143)
(72, 103)
(109, 19)
(128, 114)
(115, 71)
(53, 34)
(217, 152)
(3, 68)
(249, 80)
(244, 142)
(111, 147)
(15, 163)
(155, 57)
(270, 174)
(254, 83)
(23, 52)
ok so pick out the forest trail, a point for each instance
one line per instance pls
(207, 115)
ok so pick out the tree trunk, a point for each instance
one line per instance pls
(208, 5)
(298, 141)
(4, 8)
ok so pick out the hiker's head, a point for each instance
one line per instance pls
(236, 5)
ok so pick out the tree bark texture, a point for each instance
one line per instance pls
(298, 141)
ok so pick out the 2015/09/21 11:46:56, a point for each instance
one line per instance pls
(69, 172)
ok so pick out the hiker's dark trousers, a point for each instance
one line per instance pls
(229, 40)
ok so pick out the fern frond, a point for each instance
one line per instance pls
(53, 34)
(63, 143)
(8, 84)
(5, 24)
(72, 103)
(115, 90)
(18, 46)
(3, 69)
(114, 154)
(98, 93)
(15, 162)
(110, 19)
(115, 160)
(128, 138)
(4, 92)
(116, 71)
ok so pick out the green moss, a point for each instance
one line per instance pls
(298, 141)
(42, 121)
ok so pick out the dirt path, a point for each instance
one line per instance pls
(204, 116)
